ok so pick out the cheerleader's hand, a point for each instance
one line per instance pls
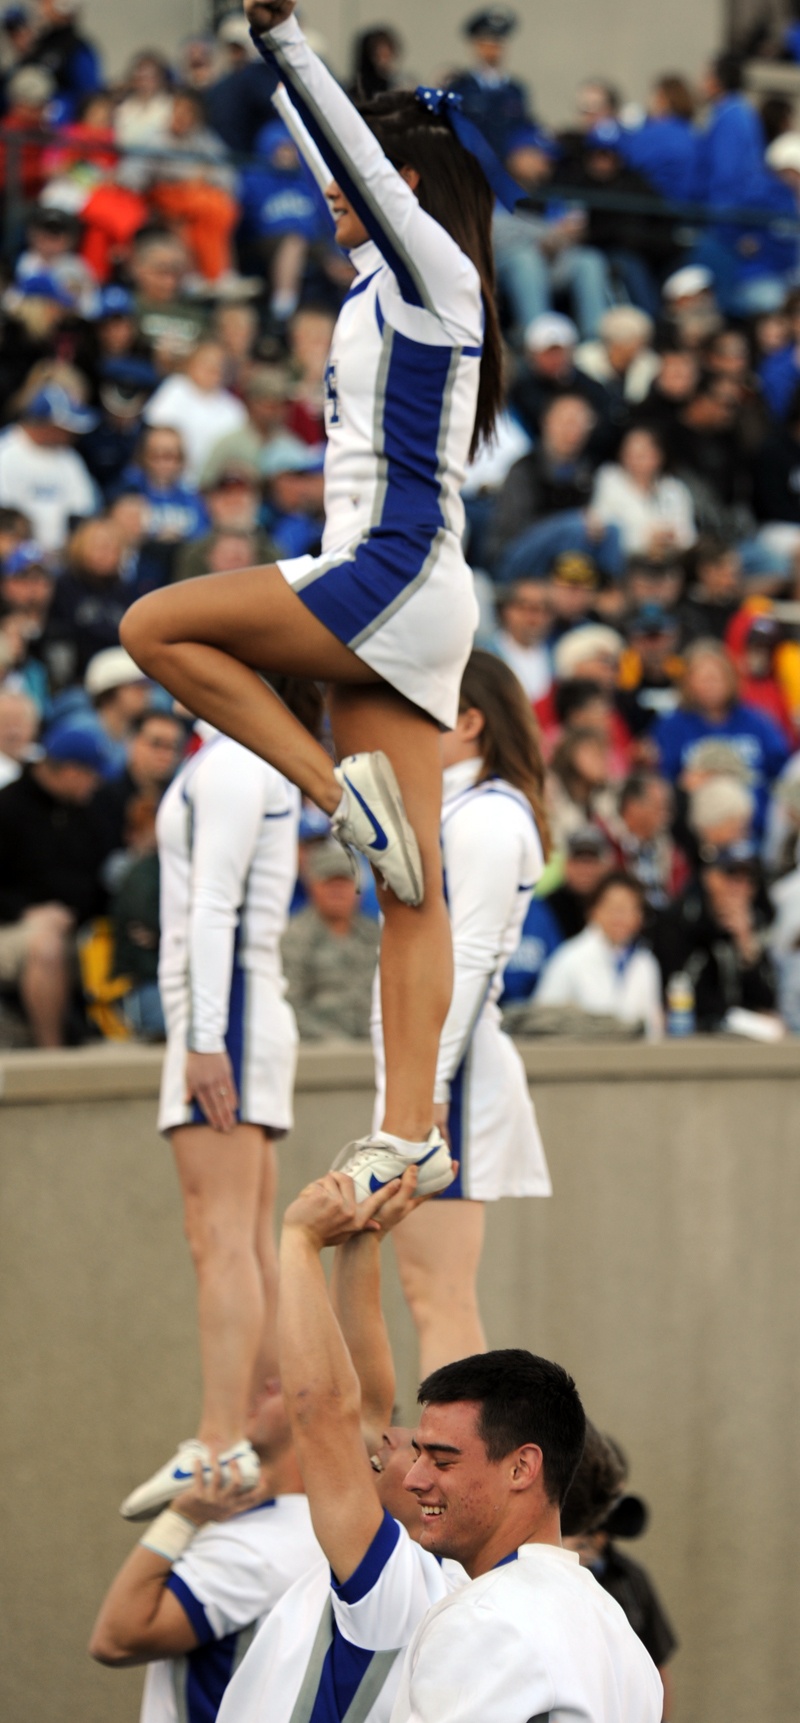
(210, 1082)
(264, 15)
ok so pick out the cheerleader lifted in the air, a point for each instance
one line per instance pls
(387, 613)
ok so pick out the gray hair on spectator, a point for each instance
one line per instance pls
(626, 323)
(31, 87)
(721, 798)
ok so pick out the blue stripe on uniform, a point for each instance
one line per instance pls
(371, 1566)
(192, 1607)
(208, 1672)
(346, 1664)
(339, 170)
(349, 598)
(455, 1128)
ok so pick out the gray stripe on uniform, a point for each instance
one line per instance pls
(370, 1687)
(378, 426)
(304, 1703)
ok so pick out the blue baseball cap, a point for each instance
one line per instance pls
(28, 555)
(533, 138)
(115, 301)
(79, 744)
(54, 406)
(43, 286)
(652, 619)
(606, 135)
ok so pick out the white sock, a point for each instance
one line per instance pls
(409, 1151)
(283, 305)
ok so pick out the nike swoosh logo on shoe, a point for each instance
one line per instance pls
(381, 842)
(179, 1474)
(380, 1184)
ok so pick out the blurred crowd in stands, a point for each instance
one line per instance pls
(171, 285)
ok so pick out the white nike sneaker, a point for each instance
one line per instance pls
(377, 825)
(374, 1161)
(179, 1474)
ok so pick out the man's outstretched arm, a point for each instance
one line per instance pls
(318, 1377)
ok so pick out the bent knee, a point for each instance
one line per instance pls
(139, 630)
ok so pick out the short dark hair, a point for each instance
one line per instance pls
(617, 877)
(521, 1398)
(162, 716)
(728, 69)
(636, 786)
(573, 695)
(596, 1487)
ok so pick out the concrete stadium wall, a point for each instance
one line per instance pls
(627, 40)
(664, 1273)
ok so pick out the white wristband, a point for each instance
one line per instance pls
(169, 1535)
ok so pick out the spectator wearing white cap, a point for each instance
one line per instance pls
(119, 693)
(691, 314)
(548, 370)
(40, 472)
(622, 359)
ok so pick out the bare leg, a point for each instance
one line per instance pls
(267, 1253)
(220, 1180)
(438, 1250)
(288, 266)
(206, 640)
(416, 953)
(44, 984)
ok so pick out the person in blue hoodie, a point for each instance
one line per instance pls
(710, 707)
(176, 510)
(750, 265)
(664, 148)
(284, 215)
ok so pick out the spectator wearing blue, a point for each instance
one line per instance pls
(124, 388)
(750, 266)
(710, 708)
(558, 915)
(637, 245)
(239, 103)
(541, 255)
(284, 216)
(496, 103)
(71, 59)
(176, 510)
(292, 512)
(664, 148)
(26, 593)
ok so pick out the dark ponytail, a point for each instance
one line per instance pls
(454, 190)
(509, 743)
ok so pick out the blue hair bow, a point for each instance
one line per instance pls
(448, 105)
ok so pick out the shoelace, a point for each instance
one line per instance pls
(362, 1153)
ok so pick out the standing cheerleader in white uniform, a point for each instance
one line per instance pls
(387, 613)
(227, 842)
(494, 839)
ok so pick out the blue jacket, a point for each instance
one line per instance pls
(541, 935)
(756, 739)
(730, 170)
(498, 110)
(780, 377)
(665, 151)
(276, 200)
(178, 511)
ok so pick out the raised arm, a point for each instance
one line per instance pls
(431, 270)
(319, 1380)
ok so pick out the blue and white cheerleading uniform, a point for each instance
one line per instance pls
(331, 1653)
(227, 843)
(492, 857)
(227, 1583)
(402, 389)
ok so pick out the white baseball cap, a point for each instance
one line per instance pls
(784, 152)
(113, 668)
(550, 330)
(688, 282)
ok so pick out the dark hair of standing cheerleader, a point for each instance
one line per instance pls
(454, 190)
(509, 742)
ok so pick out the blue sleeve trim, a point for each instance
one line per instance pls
(369, 1570)
(341, 170)
(192, 1607)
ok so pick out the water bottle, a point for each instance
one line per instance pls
(680, 1005)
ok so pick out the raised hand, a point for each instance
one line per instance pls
(263, 15)
(327, 1211)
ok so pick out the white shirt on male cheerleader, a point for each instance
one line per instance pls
(536, 1639)
(492, 856)
(404, 367)
(227, 1583)
(227, 842)
(328, 1647)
